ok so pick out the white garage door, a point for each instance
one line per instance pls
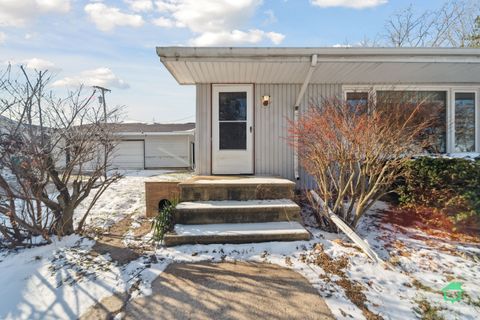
(128, 155)
(167, 152)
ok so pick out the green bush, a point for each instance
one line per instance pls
(451, 185)
(164, 221)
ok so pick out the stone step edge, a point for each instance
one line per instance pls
(262, 232)
(216, 205)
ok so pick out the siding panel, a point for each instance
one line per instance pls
(203, 129)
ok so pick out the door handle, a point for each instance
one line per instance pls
(251, 129)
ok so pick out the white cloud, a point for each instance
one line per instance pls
(355, 4)
(33, 64)
(270, 17)
(3, 37)
(108, 18)
(39, 64)
(215, 22)
(18, 13)
(140, 5)
(275, 37)
(97, 77)
(163, 22)
(235, 37)
(54, 5)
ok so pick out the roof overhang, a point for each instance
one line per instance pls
(192, 65)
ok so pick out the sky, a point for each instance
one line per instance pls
(112, 43)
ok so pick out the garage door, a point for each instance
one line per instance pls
(167, 152)
(128, 155)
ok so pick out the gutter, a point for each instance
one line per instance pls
(256, 53)
(313, 66)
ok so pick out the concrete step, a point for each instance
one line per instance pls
(236, 233)
(203, 212)
(235, 188)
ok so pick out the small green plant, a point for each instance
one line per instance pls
(164, 221)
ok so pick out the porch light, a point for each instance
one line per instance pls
(265, 101)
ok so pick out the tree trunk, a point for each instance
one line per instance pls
(65, 223)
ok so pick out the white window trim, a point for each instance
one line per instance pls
(449, 89)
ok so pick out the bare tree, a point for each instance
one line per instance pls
(355, 153)
(452, 25)
(52, 157)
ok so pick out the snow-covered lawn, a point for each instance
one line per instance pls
(125, 197)
(63, 279)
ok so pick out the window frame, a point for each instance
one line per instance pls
(477, 120)
(450, 101)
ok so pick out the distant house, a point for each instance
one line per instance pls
(153, 146)
(246, 96)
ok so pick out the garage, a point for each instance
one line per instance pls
(153, 146)
(129, 154)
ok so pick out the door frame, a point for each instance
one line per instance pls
(252, 101)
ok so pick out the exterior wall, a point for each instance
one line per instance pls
(203, 130)
(273, 155)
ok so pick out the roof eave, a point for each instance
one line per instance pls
(180, 53)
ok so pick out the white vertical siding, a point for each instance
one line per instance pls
(273, 155)
(203, 130)
(314, 95)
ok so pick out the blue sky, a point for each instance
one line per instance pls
(112, 43)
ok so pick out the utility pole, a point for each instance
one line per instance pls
(103, 90)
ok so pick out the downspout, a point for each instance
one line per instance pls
(313, 65)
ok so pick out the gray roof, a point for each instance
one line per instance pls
(155, 127)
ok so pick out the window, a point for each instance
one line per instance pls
(455, 127)
(232, 119)
(358, 101)
(430, 103)
(464, 122)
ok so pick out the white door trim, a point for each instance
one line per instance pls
(232, 161)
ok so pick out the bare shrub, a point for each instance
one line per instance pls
(455, 24)
(356, 152)
(54, 154)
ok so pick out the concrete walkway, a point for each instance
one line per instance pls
(229, 291)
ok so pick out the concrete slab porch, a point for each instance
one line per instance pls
(240, 188)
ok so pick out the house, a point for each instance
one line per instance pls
(245, 96)
(153, 146)
(245, 100)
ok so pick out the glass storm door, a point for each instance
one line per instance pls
(232, 129)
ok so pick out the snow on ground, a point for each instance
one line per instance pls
(126, 196)
(33, 287)
(63, 279)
